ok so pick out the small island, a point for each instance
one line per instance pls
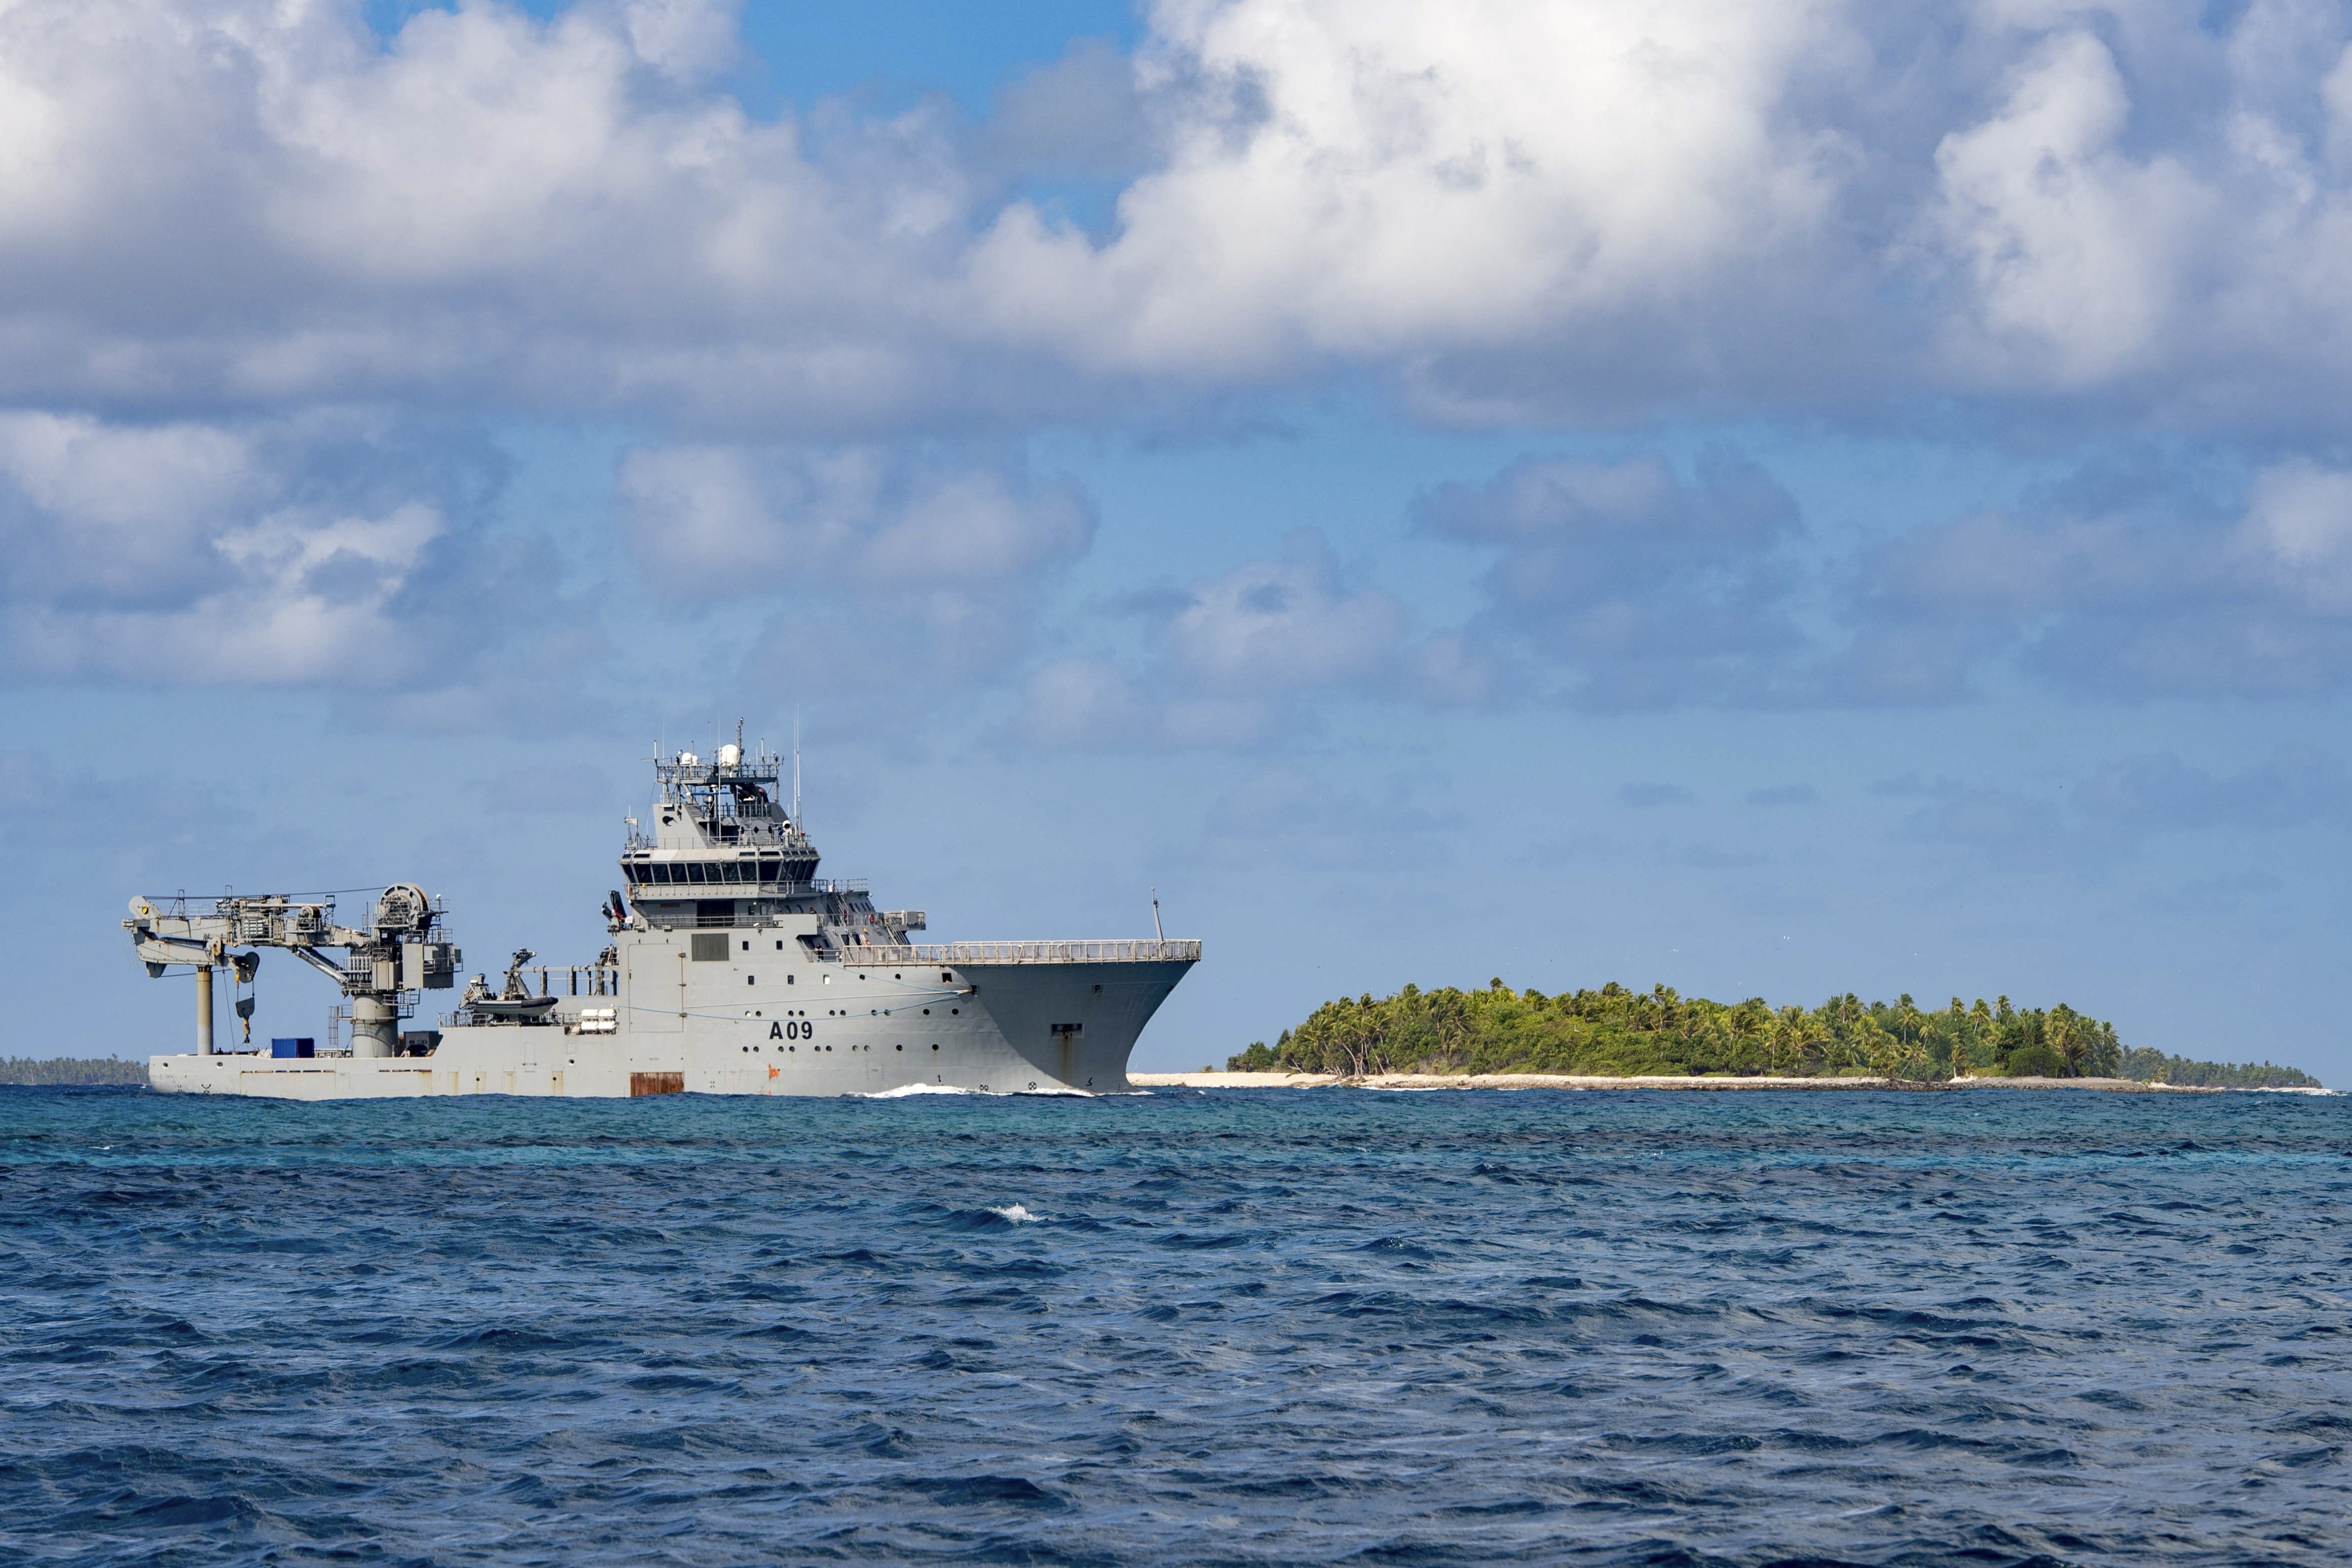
(1617, 1033)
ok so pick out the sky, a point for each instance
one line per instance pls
(1770, 500)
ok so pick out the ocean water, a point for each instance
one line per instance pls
(1238, 1327)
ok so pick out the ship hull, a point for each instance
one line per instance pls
(760, 1022)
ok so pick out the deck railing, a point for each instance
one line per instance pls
(953, 953)
(580, 979)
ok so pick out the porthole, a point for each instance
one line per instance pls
(927, 1012)
(953, 1012)
(935, 1046)
(898, 1048)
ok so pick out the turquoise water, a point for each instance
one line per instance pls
(1237, 1327)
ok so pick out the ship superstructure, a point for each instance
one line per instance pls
(730, 968)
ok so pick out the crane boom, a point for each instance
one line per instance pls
(403, 948)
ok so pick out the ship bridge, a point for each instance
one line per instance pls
(720, 822)
(725, 847)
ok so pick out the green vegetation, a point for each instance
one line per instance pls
(69, 1069)
(2155, 1067)
(1618, 1032)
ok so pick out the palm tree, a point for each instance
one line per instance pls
(1907, 1019)
(1747, 1023)
(1980, 1031)
(2069, 1037)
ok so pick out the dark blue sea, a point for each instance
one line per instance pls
(1238, 1327)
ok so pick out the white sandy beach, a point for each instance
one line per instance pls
(1569, 1081)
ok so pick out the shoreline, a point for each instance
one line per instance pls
(1404, 1080)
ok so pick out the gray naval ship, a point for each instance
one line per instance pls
(732, 968)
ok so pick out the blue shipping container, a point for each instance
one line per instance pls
(303, 1047)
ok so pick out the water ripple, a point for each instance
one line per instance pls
(1240, 1328)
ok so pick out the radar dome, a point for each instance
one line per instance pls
(730, 754)
(689, 759)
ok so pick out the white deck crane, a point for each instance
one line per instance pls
(401, 950)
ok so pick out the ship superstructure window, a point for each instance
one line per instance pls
(737, 874)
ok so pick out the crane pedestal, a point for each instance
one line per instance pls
(375, 1026)
(204, 1010)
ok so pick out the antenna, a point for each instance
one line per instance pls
(796, 771)
(1155, 916)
